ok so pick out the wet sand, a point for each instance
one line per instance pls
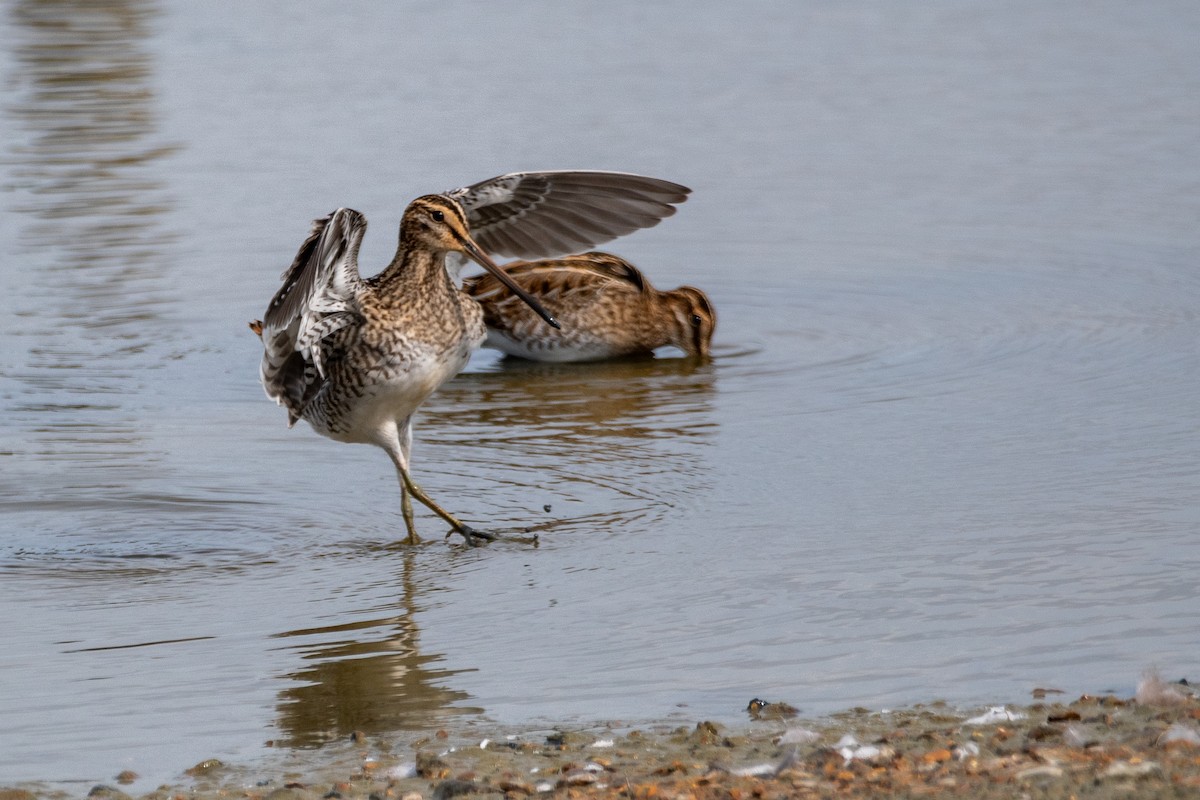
(1091, 746)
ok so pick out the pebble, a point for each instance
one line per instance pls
(515, 787)
(964, 751)
(798, 736)
(1179, 732)
(100, 790)
(995, 714)
(1152, 690)
(867, 752)
(289, 793)
(927, 752)
(453, 788)
(579, 778)
(1075, 736)
(754, 771)
(847, 740)
(937, 756)
(1126, 770)
(207, 765)
(1040, 772)
(429, 765)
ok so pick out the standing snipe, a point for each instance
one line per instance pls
(356, 357)
(605, 305)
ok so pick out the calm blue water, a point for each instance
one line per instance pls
(947, 448)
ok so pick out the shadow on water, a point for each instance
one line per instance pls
(367, 675)
(89, 241)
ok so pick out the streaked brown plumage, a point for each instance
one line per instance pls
(604, 304)
(357, 357)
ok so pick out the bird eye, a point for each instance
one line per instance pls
(695, 319)
(438, 216)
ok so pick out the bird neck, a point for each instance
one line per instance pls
(675, 327)
(413, 267)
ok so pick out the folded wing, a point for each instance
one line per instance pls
(553, 279)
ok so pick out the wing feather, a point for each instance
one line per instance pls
(542, 214)
(325, 268)
(316, 301)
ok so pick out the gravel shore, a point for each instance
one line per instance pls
(1093, 746)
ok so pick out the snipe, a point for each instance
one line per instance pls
(357, 357)
(605, 305)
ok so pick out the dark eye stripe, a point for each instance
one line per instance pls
(434, 205)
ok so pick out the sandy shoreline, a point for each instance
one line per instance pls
(1091, 746)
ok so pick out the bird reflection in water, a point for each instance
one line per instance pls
(367, 675)
(621, 436)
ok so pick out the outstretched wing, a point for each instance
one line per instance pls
(543, 214)
(317, 300)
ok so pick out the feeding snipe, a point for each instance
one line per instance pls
(605, 305)
(356, 357)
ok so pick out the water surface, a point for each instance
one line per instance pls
(946, 448)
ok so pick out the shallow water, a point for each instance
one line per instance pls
(947, 447)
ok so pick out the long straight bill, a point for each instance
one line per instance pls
(479, 257)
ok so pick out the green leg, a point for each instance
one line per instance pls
(467, 532)
(406, 510)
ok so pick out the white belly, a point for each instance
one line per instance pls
(555, 350)
(384, 406)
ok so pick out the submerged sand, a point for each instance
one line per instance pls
(1092, 746)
